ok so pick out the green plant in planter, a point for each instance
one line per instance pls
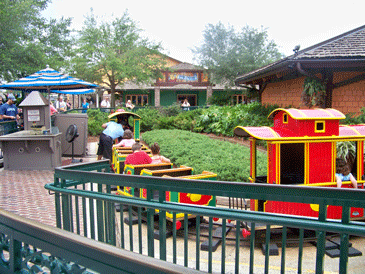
(347, 152)
(314, 92)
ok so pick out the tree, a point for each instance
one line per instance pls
(28, 42)
(111, 53)
(227, 53)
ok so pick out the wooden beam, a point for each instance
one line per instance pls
(355, 79)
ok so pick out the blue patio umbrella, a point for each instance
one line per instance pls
(50, 80)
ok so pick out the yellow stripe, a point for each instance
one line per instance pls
(301, 112)
(316, 139)
(328, 112)
(353, 129)
(306, 164)
(333, 164)
(278, 160)
(268, 161)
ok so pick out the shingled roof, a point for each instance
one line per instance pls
(349, 46)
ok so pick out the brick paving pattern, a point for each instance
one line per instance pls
(22, 192)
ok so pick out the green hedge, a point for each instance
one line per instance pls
(230, 161)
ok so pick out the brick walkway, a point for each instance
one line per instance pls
(22, 192)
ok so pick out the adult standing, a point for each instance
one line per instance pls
(60, 104)
(185, 105)
(129, 105)
(68, 104)
(105, 103)
(9, 111)
(112, 131)
(85, 106)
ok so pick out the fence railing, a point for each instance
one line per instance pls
(85, 205)
(27, 246)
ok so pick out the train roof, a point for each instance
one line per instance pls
(123, 113)
(267, 133)
(310, 114)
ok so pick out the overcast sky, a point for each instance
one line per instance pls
(179, 25)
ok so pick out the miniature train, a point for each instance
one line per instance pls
(301, 150)
(158, 170)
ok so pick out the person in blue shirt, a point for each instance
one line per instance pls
(112, 131)
(9, 111)
(85, 106)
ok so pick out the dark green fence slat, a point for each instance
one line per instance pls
(223, 260)
(238, 242)
(140, 239)
(344, 248)
(197, 243)
(283, 249)
(300, 252)
(130, 216)
(252, 247)
(267, 248)
(186, 246)
(162, 226)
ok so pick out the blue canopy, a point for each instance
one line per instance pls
(50, 80)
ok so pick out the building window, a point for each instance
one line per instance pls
(320, 126)
(239, 99)
(137, 99)
(191, 99)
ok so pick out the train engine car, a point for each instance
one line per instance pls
(301, 150)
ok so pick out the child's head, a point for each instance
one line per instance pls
(128, 134)
(342, 166)
(155, 148)
(136, 147)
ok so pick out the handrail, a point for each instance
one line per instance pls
(69, 250)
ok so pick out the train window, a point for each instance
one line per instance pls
(320, 126)
(285, 118)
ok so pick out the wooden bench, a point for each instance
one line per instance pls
(205, 175)
(173, 172)
(136, 170)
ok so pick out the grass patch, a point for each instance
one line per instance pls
(230, 161)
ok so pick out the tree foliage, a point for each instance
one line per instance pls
(111, 53)
(226, 52)
(28, 41)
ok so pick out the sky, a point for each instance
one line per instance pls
(179, 25)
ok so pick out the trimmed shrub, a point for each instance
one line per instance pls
(230, 161)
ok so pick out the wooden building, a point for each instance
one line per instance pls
(338, 63)
(180, 81)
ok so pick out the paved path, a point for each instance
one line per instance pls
(22, 191)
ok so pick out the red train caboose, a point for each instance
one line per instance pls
(301, 149)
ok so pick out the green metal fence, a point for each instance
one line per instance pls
(29, 247)
(85, 205)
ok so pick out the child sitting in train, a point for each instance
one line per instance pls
(127, 141)
(343, 173)
(138, 157)
(156, 157)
